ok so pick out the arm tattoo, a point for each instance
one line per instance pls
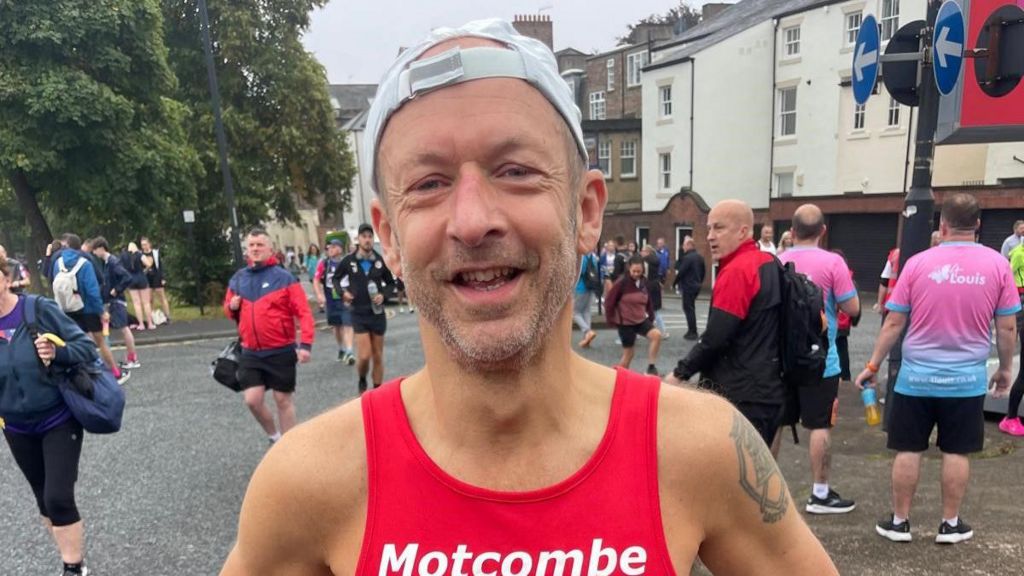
(759, 476)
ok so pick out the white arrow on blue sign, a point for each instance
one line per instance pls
(865, 60)
(948, 46)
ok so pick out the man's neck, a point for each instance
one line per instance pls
(480, 426)
(809, 243)
(958, 238)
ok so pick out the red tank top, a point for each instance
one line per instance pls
(603, 520)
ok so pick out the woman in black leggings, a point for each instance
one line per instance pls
(45, 440)
(1011, 424)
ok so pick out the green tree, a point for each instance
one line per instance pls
(89, 132)
(283, 145)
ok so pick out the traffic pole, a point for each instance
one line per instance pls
(919, 205)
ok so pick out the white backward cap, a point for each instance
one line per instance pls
(524, 58)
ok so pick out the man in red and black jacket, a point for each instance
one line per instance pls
(738, 354)
(265, 299)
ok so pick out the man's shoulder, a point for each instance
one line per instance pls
(320, 465)
(694, 434)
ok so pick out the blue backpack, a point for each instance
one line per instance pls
(90, 390)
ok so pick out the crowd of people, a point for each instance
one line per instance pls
(88, 283)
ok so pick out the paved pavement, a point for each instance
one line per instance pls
(162, 496)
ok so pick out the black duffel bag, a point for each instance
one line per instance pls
(225, 368)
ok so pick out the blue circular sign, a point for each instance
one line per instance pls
(865, 60)
(948, 46)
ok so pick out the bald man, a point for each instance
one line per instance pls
(813, 403)
(738, 354)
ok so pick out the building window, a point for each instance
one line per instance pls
(787, 111)
(784, 183)
(604, 157)
(792, 36)
(853, 27)
(597, 107)
(665, 165)
(890, 22)
(572, 88)
(665, 99)
(634, 63)
(642, 236)
(858, 117)
(894, 112)
(627, 159)
(611, 74)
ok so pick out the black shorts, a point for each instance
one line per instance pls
(118, 314)
(139, 282)
(89, 323)
(369, 324)
(961, 423)
(338, 314)
(629, 332)
(275, 372)
(764, 417)
(155, 279)
(814, 406)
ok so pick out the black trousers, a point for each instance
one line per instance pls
(843, 348)
(50, 464)
(1017, 392)
(690, 309)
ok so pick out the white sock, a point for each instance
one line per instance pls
(953, 522)
(820, 490)
(275, 436)
(896, 520)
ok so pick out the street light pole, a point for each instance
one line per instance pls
(222, 143)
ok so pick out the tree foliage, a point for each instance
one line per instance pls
(87, 122)
(682, 16)
(283, 145)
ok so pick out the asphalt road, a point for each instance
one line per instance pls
(162, 496)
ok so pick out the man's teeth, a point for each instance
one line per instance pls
(486, 275)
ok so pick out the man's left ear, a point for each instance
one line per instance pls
(592, 199)
(388, 241)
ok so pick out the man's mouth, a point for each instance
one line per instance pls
(487, 279)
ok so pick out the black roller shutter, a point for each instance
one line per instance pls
(865, 240)
(996, 225)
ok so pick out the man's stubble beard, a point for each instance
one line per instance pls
(510, 350)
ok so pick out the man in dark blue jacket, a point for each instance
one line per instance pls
(90, 317)
(690, 271)
(116, 280)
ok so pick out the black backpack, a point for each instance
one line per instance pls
(591, 276)
(803, 339)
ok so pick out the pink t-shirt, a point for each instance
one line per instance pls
(952, 292)
(829, 271)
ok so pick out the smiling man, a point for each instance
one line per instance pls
(508, 452)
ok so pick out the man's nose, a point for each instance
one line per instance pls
(476, 210)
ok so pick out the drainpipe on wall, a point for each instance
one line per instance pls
(771, 137)
(693, 104)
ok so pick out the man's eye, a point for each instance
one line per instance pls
(514, 171)
(428, 185)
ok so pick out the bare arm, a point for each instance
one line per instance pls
(728, 484)
(883, 290)
(851, 306)
(1006, 337)
(891, 331)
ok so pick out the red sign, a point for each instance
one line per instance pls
(979, 110)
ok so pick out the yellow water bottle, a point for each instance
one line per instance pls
(872, 414)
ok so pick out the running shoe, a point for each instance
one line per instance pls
(831, 504)
(954, 534)
(131, 364)
(652, 370)
(1012, 426)
(125, 375)
(894, 532)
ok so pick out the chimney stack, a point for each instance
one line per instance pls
(537, 26)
